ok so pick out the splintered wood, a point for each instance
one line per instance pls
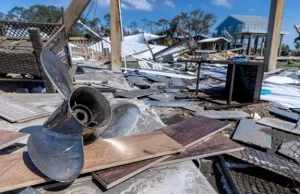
(17, 170)
(15, 111)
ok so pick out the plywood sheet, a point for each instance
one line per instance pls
(188, 133)
(269, 162)
(17, 170)
(216, 145)
(8, 138)
(15, 111)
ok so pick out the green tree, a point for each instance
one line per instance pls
(107, 20)
(297, 45)
(196, 22)
(285, 47)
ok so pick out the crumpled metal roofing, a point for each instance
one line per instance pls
(140, 38)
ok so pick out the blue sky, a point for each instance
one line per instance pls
(135, 10)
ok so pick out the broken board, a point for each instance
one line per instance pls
(269, 162)
(188, 133)
(216, 145)
(251, 133)
(291, 149)
(280, 125)
(8, 138)
(224, 115)
(137, 93)
(15, 111)
(17, 170)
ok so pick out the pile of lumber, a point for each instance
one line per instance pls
(112, 161)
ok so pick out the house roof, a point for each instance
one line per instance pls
(247, 19)
(251, 20)
(213, 40)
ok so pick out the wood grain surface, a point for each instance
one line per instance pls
(17, 170)
(216, 145)
(188, 133)
(112, 176)
(196, 129)
(8, 138)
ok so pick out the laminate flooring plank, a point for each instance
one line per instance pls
(216, 145)
(250, 132)
(196, 129)
(223, 115)
(113, 176)
(269, 162)
(8, 138)
(17, 170)
(284, 114)
(15, 111)
(137, 93)
(280, 125)
(188, 133)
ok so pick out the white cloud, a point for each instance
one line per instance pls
(104, 2)
(190, 5)
(170, 3)
(251, 10)
(224, 3)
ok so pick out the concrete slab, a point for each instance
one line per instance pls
(251, 133)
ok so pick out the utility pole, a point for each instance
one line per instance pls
(273, 35)
(115, 34)
(73, 12)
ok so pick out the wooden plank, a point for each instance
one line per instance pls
(280, 125)
(73, 13)
(216, 145)
(269, 162)
(99, 155)
(8, 138)
(194, 130)
(113, 176)
(188, 133)
(251, 133)
(137, 93)
(115, 34)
